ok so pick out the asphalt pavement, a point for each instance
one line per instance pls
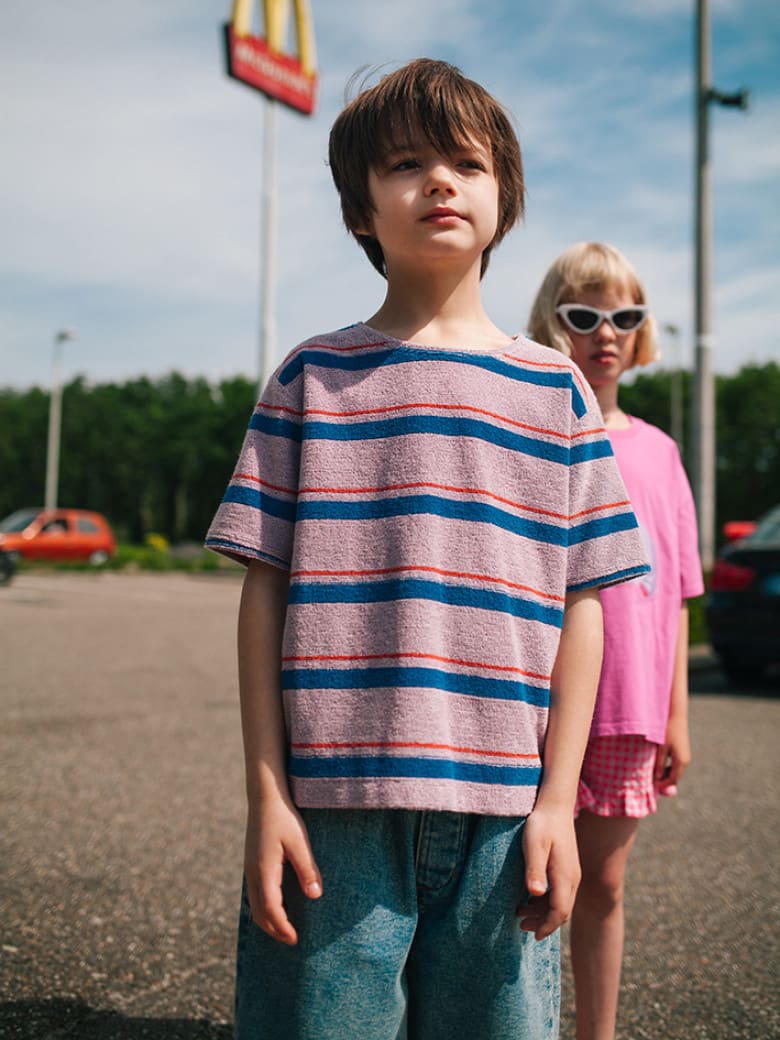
(121, 818)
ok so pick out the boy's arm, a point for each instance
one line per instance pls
(275, 832)
(674, 755)
(549, 841)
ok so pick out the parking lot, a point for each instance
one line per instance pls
(122, 812)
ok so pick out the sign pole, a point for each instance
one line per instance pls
(268, 253)
(263, 64)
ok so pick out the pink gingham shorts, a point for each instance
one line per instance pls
(617, 777)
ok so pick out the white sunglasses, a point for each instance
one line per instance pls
(583, 319)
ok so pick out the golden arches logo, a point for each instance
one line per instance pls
(261, 62)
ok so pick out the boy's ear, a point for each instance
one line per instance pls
(366, 228)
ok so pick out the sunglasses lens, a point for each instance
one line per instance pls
(582, 319)
(627, 319)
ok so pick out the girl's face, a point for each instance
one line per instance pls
(604, 354)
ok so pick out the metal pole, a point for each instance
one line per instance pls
(266, 363)
(703, 411)
(675, 387)
(55, 421)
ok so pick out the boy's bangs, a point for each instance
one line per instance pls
(445, 119)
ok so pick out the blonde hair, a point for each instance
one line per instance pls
(587, 267)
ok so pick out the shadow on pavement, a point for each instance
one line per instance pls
(63, 1018)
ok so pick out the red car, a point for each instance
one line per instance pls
(56, 534)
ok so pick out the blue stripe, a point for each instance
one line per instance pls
(402, 355)
(413, 768)
(246, 496)
(394, 677)
(274, 427)
(587, 451)
(605, 525)
(612, 579)
(419, 588)
(238, 549)
(451, 509)
(412, 505)
(443, 426)
(438, 425)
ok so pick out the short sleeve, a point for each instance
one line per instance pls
(605, 546)
(256, 518)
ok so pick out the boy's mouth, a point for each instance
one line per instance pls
(441, 212)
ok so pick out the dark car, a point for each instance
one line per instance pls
(743, 602)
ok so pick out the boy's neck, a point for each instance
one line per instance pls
(437, 310)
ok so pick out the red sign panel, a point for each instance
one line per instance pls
(280, 76)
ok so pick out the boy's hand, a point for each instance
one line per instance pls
(552, 871)
(274, 835)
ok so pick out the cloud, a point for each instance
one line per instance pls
(130, 192)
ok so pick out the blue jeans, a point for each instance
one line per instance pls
(414, 938)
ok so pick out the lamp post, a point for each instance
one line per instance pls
(55, 419)
(703, 411)
(675, 386)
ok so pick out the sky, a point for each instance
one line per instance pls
(131, 179)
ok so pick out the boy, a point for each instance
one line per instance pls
(427, 508)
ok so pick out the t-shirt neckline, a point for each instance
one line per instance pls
(438, 348)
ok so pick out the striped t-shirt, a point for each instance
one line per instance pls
(433, 507)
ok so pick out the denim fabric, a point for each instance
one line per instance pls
(414, 938)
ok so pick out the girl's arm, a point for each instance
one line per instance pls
(275, 832)
(674, 755)
(549, 841)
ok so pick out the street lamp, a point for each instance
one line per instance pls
(675, 385)
(55, 419)
(703, 410)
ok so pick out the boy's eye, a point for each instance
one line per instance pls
(472, 164)
(406, 164)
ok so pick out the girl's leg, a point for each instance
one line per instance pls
(597, 921)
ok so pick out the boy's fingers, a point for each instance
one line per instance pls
(306, 870)
(536, 872)
(269, 914)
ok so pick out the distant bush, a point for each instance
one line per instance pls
(144, 558)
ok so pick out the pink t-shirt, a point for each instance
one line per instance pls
(641, 616)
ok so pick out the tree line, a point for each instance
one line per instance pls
(156, 455)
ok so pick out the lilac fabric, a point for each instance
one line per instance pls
(641, 618)
(433, 507)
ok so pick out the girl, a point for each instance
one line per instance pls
(591, 306)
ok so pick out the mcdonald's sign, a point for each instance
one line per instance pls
(262, 63)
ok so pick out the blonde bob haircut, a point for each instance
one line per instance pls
(587, 267)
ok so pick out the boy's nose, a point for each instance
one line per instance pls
(440, 179)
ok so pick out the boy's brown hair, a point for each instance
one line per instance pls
(436, 100)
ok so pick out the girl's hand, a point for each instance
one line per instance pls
(276, 834)
(674, 755)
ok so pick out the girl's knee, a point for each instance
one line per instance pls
(601, 892)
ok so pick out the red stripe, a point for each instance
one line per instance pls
(428, 484)
(415, 655)
(427, 570)
(432, 405)
(560, 366)
(342, 745)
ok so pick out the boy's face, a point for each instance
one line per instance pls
(432, 209)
